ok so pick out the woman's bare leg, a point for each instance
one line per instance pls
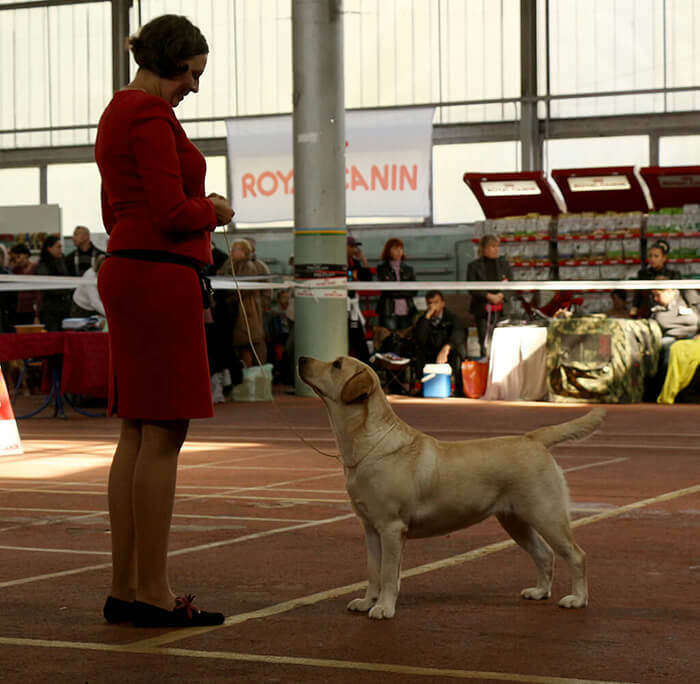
(246, 356)
(153, 498)
(121, 479)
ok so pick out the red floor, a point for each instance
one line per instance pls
(263, 531)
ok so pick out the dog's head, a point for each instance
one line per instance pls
(344, 381)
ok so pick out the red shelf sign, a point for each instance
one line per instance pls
(615, 188)
(513, 194)
(672, 186)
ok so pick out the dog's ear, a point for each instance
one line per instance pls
(359, 386)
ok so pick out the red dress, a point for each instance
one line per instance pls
(153, 199)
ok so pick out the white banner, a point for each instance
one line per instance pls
(387, 164)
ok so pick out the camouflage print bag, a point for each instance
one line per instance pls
(596, 359)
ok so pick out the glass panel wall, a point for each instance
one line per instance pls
(19, 186)
(679, 150)
(76, 189)
(622, 45)
(591, 152)
(453, 201)
(56, 71)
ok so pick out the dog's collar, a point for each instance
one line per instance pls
(375, 445)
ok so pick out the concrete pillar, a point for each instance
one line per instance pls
(320, 328)
(120, 50)
(530, 142)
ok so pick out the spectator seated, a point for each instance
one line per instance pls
(682, 373)
(439, 338)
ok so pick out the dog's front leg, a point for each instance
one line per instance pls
(374, 554)
(392, 540)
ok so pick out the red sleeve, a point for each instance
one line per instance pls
(108, 217)
(158, 164)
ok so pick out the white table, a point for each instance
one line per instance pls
(518, 364)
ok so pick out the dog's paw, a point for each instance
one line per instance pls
(381, 612)
(572, 601)
(535, 594)
(361, 605)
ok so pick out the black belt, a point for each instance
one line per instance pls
(170, 258)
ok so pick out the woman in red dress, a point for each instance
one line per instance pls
(159, 223)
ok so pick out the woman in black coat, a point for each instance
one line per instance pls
(488, 307)
(396, 309)
(55, 304)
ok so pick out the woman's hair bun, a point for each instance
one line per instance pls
(662, 245)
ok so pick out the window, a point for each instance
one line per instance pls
(591, 152)
(56, 71)
(453, 201)
(76, 189)
(679, 150)
(19, 186)
(216, 176)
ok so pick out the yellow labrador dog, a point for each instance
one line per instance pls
(403, 483)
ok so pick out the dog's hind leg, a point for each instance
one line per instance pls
(527, 537)
(557, 533)
(392, 539)
(374, 555)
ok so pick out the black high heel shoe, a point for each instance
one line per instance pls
(116, 610)
(185, 614)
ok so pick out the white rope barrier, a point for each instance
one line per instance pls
(40, 282)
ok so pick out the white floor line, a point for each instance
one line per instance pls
(235, 492)
(597, 464)
(259, 535)
(269, 468)
(286, 499)
(325, 663)
(40, 523)
(223, 490)
(195, 516)
(232, 491)
(44, 550)
(181, 552)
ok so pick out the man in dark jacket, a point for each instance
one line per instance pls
(358, 269)
(439, 338)
(84, 255)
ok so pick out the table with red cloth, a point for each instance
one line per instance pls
(85, 356)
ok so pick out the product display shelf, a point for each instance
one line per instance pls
(675, 192)
(601, 238)
(520, 208)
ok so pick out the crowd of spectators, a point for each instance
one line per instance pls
(257, 326)
(51, 307)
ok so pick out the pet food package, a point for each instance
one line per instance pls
(594, 359)
(256, 385)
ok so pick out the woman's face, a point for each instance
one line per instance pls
(174, 90)
(56, 250)
(491, 250)
(396, 253)
(238, 253)
(656, 258)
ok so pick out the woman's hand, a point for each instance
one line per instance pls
(224, 211)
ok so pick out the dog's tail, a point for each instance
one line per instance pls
(574, 429)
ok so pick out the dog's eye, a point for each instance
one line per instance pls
(336, 364)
